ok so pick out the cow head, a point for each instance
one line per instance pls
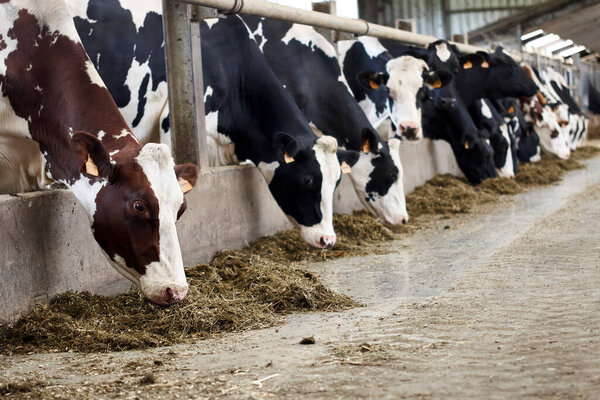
(302, 182)
(377, 178)
(134, 211)
(407, 77)
(504, 77)
(441, 56)
(553, 137)
(475, 155)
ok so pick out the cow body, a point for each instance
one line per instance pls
(308, 67)
(52, 94)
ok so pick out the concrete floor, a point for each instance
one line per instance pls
(501, 305)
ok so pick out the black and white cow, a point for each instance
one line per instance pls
(250, 116)
(52, 95)
(528, 142)
(388, 89)
(445, 115)
(307, 65)
(578, 122)
(543, 112)
(489, 120)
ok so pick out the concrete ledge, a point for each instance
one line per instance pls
(47, 246)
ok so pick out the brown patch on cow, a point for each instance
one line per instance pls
(46, 83)
(2, 42)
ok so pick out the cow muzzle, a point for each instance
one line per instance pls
(170, 294)
(410, 130)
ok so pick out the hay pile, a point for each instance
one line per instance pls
(256, 286)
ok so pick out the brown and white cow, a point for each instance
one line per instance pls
(52, 94)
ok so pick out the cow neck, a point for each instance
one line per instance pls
(254, 106)
(60, 93)
(317, 86)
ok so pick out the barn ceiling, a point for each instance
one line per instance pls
(581, 27)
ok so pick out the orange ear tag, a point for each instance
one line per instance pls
(373, 85)
(467, 65)
(185, 185)
(366, 147)
(288, 159)
(90, 167)
(437, 84)
(345, 168)
(485, 65)
(467, 145)
(511, 110)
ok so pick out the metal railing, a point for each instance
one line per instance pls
(182, 37)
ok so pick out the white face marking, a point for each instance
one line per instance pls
(309, 38)
(325, 151)
(406, 78)
(158, 166)
(485, 109)
(208, 92)
(442, 52)
(101, 134)
(211, 21)
(557, 145)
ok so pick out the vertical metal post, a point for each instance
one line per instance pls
(407, 24)
(327, 7)
(199, 93)
(180, 79)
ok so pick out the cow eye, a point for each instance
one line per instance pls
(554, 134)
(308, 180)
(139, 207)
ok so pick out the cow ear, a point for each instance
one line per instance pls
(187, 175)
(372, 80)
(437, 79)
(286, 146)
(347, 159)
(469, 61)
(369, 141)
(91, 155)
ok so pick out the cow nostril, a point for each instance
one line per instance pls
(404, 221)
(169, 295)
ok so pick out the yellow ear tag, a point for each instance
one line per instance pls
(366, 147)
(467, 65)
(485, 65)
(467, 145)
(90, 167)
(288, 159)
(373, 85)
(437, 84)
(185, 185)
(346, 169)
(511, 110)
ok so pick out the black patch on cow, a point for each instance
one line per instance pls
(383, 176)
(165, 124)
(112, 42)
(141, 101)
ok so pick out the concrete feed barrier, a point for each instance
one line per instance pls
(47, 247)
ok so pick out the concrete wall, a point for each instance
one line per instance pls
(47, 247)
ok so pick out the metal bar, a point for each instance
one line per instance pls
(199, 93)
(487, 9)
(182, 105)
(292, 14)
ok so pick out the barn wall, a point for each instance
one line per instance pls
(430, 13)
(47, 246)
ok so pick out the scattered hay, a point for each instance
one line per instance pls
(256, 286)
(308, 340)
(148, 379)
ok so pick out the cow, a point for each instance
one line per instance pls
(578, 123)
(445, 115)
(387, 89)
(307, 65)
(551, 130)
(527, 140)
(488, 119)
(252, 120)
(53, 95)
